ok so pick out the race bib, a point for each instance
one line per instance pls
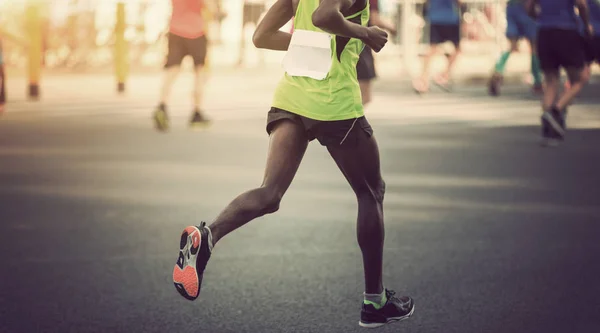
(309, 55)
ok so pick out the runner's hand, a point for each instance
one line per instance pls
(590, 30)
(376, 38)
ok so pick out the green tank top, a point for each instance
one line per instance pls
(337, 97)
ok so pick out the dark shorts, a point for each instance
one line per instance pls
(180, 47)
(365, 68)
(252, 13)
(560, 48)
(346, 132)
(441, 33)
(592, 50)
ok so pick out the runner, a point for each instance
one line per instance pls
(519, 25)
(253, 10)
(318, 98)
(592, 44)
(2, 76)
(187, 36)
(366, 63)
(560, 45)
(444, 20)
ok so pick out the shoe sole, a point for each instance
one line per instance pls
(200, 125)
(549, 142)
(389, 320)
(444, 87)
(185, 275)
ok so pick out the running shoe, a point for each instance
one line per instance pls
(537, 89)
(161, 118)
(556, 121)
(394, 309)
(443, 83)
(198, 119)
(420, 86)
(494, 84)
(194, 252)
(549, 136)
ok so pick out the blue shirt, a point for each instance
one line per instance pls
(443, 12)
(558, 14)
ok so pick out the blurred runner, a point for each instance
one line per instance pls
(221, 15)
(253, 10)
(365, 69)
(519, 25)
(593, 43)
(560, 46)
(444, 20)
(187, 36)
(307, 106)
(2, 78)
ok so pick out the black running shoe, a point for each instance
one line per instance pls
(394, 309)
(198, 119)
(564, 119)
(161, 119)
(555, 120)
(194, 252)
(549, 136)
(494, 84)
(537, 89)
(560, 118)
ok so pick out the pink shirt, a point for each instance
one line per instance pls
(187, 20)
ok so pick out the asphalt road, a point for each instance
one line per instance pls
(485, 229)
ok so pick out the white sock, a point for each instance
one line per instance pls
(379, 299)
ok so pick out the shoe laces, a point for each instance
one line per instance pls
(391, 296)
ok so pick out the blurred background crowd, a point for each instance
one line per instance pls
(80, 34)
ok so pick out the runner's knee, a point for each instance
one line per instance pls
(371, 193)
(583, 75)
(270, 198)
(577, 75)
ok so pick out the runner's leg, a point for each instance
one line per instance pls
(578, 78)
(360, 166)
(286, 149)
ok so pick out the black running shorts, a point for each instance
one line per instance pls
(592, 50)
(441, 33)
(560, 48)
(338, 132)
(180, 47)
(365, 68)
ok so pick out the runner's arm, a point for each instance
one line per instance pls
(267, 34)
(530, 7)
(328, 17)
(584, 13)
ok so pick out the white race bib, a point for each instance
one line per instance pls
(309, 55)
